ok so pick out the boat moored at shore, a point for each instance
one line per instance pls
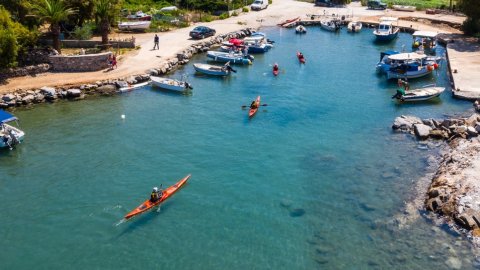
(214, 70)
(387, 29)
(232, 57)
(9, 135)
(171, 84)
(419, 94)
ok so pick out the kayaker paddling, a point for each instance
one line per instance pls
(156, 194)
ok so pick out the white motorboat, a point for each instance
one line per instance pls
(9, 135)
(404, 8)
(213, 70)
(232, 57)
(134, 25)
(410, 66)
(300, 29)
(420, 94)
(330, 25)
(387, 29)
(354, 27)
(171, 84)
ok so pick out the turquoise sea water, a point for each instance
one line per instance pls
(313, 181)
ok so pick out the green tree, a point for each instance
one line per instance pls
(105, 11)
(84, 8)
(53, 12)
(471, 8)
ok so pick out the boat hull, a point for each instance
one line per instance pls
(134, 26)
(147, 205)
(169, 84)
(211, 70)
(380, 37)
(227, 57)
(422, 94)
(409, 74)
(19, 135)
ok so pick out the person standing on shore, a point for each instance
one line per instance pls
(155, 42)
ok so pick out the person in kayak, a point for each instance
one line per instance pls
(300, 56)
(254, 105)
(275, 67)
(156, 194)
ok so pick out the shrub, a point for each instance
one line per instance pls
(83, 33)
(224, 16)
(269, 2)
(471, 26)
(234, 13)
(245, 9)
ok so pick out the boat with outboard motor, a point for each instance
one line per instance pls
(300, 29)
(425, 41)
(387, 29)
(232, 57)
(420, 94)
(171, 84)
(9, 135)
(257, 44)
(387, 61)
(213, 70)
(331, 25)
(354, 27)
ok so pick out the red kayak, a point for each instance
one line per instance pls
(275, 70)
(301, 58)
(147, 205)
(254, 110)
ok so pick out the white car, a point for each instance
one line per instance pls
(259, 5)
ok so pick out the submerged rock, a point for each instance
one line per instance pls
(298, 212)
(422, 131)
(406, 122)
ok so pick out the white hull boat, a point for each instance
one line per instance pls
(420, 94)
(213, 70)
(170, 84)
(300, 29)
(9, 135)
(134, 26)
(404, 8)
(332, 25)
(354, 27)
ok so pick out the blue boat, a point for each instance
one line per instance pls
(386, 30)
(384, 64)
(233, 58)
(9, 135)
(257, 44)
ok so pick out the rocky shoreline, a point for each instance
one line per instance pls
(29, 97)
(454, 191)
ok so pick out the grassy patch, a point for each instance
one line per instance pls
(421, 5)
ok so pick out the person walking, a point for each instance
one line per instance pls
(155, 42)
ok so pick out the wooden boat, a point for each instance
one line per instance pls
(213, 70)
(171, 84)
(254, 110)
(420, 94)
(425, 41)
(9, 135)
(387, 61)
(148, 204)
(300, 29)
(387, 29)
(354, 27)
(404, 8)
(410, 66)
(134, 26)
(289, 22)
(233, 58)
(330, 25)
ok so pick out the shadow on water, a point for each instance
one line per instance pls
(142, 220)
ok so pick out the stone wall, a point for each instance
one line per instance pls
(23, 71)
(87, 62)
(94, 44)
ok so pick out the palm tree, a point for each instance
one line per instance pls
(104, 12)
(53, 12)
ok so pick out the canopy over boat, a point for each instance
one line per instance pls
(5, 117)
(407, 56)
(429, 34)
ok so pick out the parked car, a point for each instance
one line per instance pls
(259, 5)
(324, 3)
(376, 4)
(202, 32)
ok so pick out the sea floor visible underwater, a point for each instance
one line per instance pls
(315, 180)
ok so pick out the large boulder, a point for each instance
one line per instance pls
(74, 93)
(406, 122)
(422, 131)
(48, 91)
(28, 99)
(8, 97)
(107, 89)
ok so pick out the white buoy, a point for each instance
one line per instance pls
(123, 116)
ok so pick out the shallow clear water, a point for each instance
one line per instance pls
(314, 180)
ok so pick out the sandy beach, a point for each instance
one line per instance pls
(140, 61)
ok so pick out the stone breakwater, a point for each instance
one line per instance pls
(454, 192)
(28, 97)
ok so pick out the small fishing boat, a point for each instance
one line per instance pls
(254, 110)
(232, 57)
(134, 26)
(386, 61)
(420, 94)
(139, 16)
(301, 58)
(410, 66)
(354, 27)
(387, 29)
(9, 135)
(213, 70)
(425, 41)
(148, 204)
(257, 44)
(404, 8)
(300, 29)
(330, 25)
(171, 84)
(275, 70)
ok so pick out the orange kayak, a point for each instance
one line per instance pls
(147, 205)
(253, 111)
